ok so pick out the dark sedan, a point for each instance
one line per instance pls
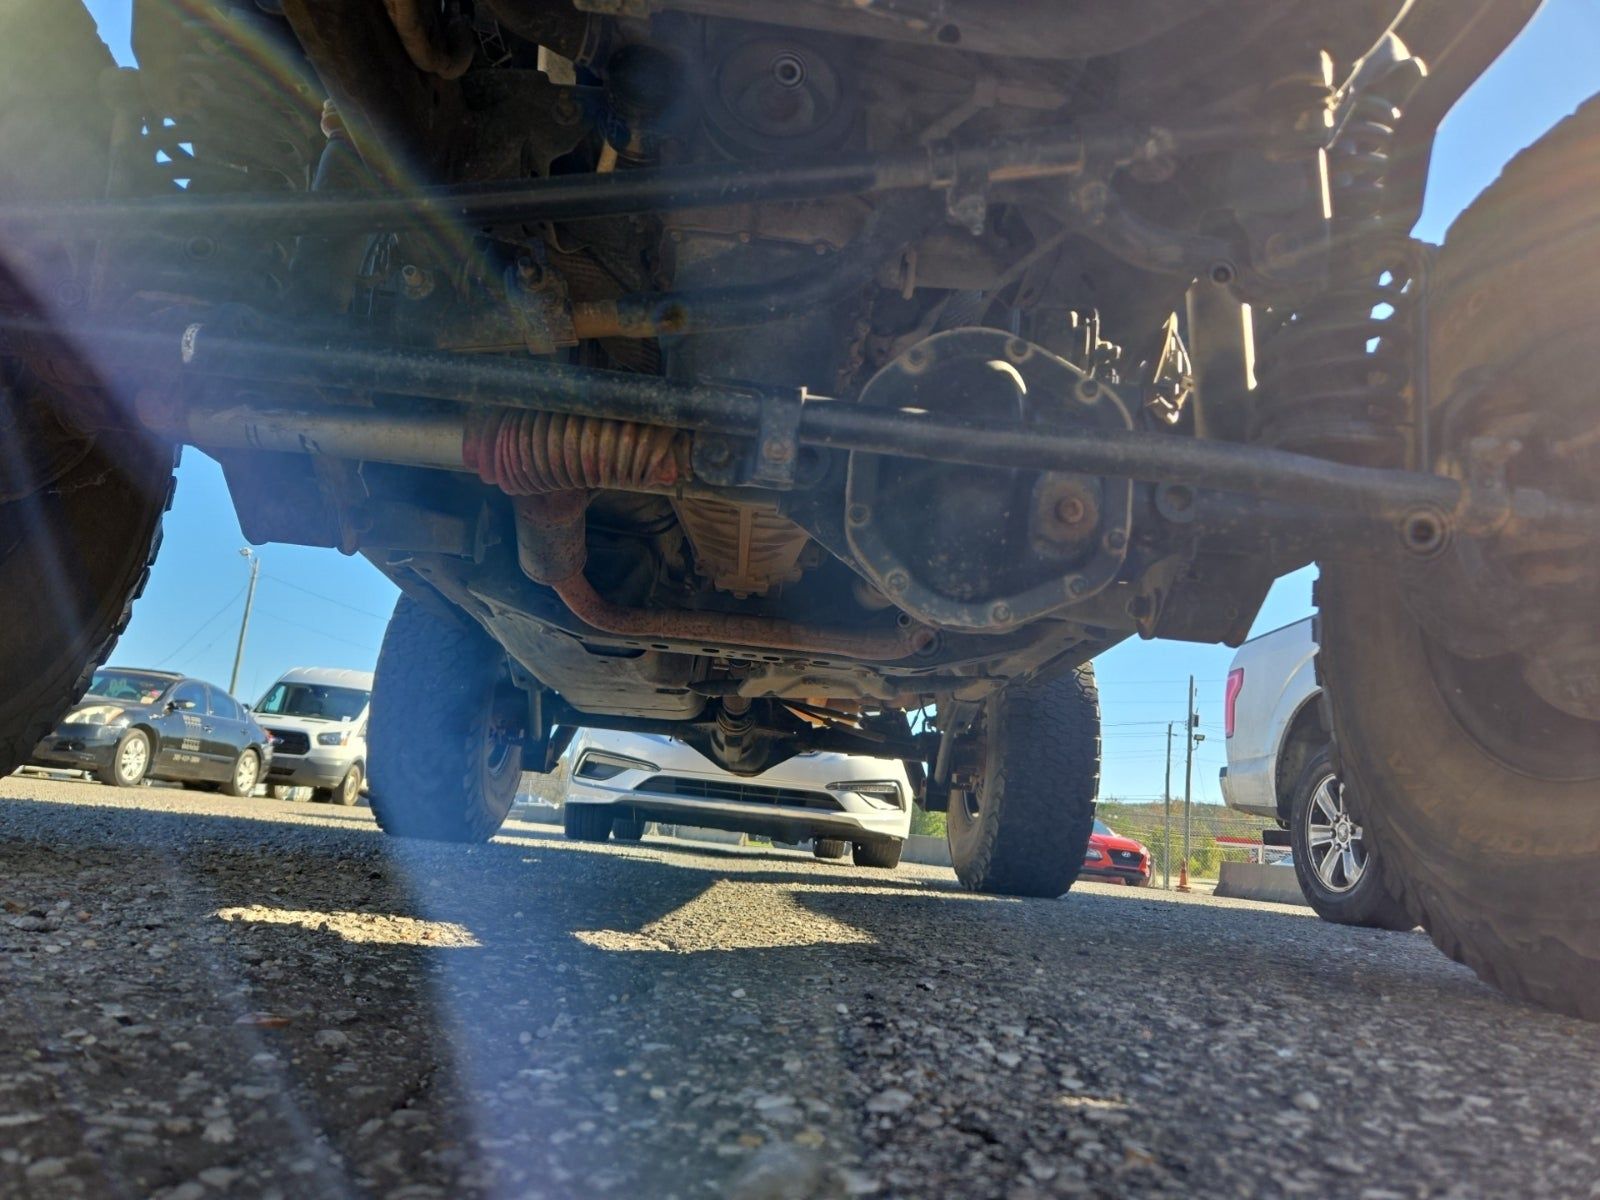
(135, 725)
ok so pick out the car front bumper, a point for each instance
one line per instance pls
(79, 747)
(1134, 875)
(318, 769)
(790, 823)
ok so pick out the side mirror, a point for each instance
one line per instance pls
(179, 705)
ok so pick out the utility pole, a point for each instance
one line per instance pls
(244, 623)
(1166, 836)
(1192, 738)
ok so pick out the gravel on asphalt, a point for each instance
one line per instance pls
(210, 997)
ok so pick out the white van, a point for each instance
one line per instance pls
(317, 718)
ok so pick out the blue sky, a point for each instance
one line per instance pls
(316, 607)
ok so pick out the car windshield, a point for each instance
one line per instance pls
(313, 700)
(1103, 829)
(131, 687)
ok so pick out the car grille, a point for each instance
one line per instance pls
(289, 741)
(735, 792)
(1125, 858)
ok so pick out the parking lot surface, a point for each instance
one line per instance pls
(210, 997)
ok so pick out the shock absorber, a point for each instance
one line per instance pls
(1335, 369)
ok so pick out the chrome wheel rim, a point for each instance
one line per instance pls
(133, 758)
(244, 775)
(351, 785)
(1334, 840)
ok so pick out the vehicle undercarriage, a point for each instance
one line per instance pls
(765, 372)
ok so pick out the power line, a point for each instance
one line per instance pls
(328, 599)
(203, 626)
(322, 633)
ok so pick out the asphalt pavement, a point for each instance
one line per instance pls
(202, 997)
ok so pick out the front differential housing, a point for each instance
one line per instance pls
(985, 549)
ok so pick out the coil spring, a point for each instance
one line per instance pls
(236, 109)
(526, 453)
(226, 108)
(1335, 372)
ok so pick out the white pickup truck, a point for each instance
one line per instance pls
(1281, 764)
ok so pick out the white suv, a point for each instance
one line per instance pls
(317, 718)
(840, 803)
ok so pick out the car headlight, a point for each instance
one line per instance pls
(100, 714)
(600, 766)
(1092, 856)
(884, 792)
(341, 738)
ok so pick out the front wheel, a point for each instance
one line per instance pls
(82, 486)
(1334, 859)
(1490, 838)
(1020, 819)
(587, 822)
(446, 729)
(830, 849)
(1473, 736)
(130, 761)
(346, 792)
(883, 855)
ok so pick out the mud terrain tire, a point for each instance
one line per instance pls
(444, 746)
(80, 515)
(1495, 861)
(1025, 829)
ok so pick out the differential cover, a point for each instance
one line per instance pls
(980, 548)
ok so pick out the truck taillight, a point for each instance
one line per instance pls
(1231, 698)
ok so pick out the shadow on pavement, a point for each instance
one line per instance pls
(560, 1014)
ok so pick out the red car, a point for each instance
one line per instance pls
(1112, 856)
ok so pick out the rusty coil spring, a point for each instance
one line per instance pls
(526, 453)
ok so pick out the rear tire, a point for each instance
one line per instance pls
(1342, 879)
(587, 822)
(830, 849)
(245, 775)
(1024, 828)
(883, 855)
(445, 732)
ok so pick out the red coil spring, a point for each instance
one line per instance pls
(526, 453)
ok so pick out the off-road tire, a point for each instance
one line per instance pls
(230, 786)
(1035, 803)
(80, 518)
(1496, 863)
(587, 822)
(628, 829)
(346, 793)
(883, 855)
(113, 776)
(1370, 903)
(830, 849)
(442, 766)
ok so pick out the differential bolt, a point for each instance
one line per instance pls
(1069, 510)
